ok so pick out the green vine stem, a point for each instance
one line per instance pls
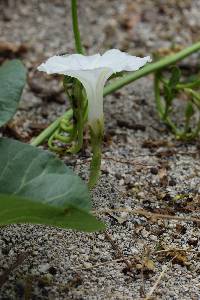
(96, 145)
(78, 115)
(119, 83)
(151, 68)
(77, 38)
(157, 96)
(159, 106)
(46, 133)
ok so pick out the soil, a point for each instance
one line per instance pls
(144, 166)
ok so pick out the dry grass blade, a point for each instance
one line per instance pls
(99, 264)
(176, 250)
(152, 290)
(147, 214)
(80, 268)
(128, 162)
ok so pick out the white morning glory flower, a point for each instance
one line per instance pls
(93, 72)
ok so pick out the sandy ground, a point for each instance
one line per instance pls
(143, 165)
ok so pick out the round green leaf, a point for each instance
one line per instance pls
(12, 81)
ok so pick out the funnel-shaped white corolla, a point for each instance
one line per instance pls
(92, 72)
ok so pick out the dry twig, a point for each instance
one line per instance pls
(18, 262)
(119, 252)
(147, 214)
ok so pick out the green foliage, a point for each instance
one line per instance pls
(37, 175)
(175, 78)
(14, 209)
(171, 88)
(12, 81)
(31, 172)
(69, 132)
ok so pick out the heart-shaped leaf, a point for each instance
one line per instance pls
(39, 176)
(12, 81)
(14, 209)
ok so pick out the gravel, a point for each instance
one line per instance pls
(143, 165)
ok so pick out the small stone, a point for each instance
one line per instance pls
(87, 265)
(52, 270)
(134, 250)
(144, 233)
(118, 176)
(96, 251)
(121, 182)
(154, 171)
(141, 194)
(172, 182)
(138, 266)
(5, 250)
(153, 237)
(193, 242)
(44, 268)
(171, 225)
